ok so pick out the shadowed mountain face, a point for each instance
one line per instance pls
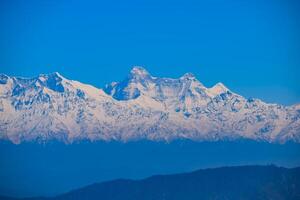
(234, 183)
(140, 107)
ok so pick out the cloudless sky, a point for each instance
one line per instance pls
(252, 46)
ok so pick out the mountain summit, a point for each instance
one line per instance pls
(139, 72)
(141, 106)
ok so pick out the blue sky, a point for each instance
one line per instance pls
(251, 46)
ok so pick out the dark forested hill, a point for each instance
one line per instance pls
(245, 182)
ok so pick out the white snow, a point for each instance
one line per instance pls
(217, 89)
(166, 109)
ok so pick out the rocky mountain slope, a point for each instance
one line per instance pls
(140, 107)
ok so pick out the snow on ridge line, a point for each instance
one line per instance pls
(138, 70)
(142, 107)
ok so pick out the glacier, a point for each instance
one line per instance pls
(141, 107)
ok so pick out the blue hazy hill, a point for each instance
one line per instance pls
(234, 183)
(32, 169)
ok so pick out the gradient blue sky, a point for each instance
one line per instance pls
(252, 46)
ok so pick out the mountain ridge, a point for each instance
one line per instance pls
(141, 106)
(236, 182)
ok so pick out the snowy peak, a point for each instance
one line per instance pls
(188, 76)
(53, 76)
(3, 79)
(218, 89)
(50, 106)
(139, 72)
(53, 81)
(140, 82)
(20, 86)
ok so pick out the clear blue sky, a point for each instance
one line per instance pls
(252, 46)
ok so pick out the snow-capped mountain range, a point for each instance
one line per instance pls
(141, 107)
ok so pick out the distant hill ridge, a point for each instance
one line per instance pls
(234, 183)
